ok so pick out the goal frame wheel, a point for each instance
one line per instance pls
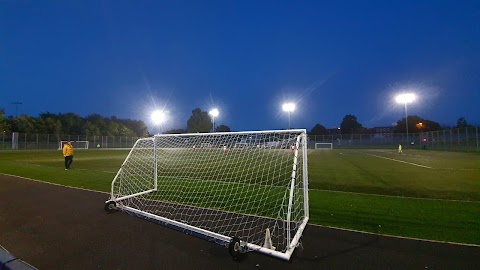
(235, 249)
(111, 206)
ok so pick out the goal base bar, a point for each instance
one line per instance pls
(131, 195)
(215, 237)
(291, 248)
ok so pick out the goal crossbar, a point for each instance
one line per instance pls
(324, 146)
(221, 192)
(76, 144)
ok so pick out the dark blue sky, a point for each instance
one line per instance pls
(332, 58)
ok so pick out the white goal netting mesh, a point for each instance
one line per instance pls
(233, 184)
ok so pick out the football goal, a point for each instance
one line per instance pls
(247, 199)
(75, 144)
(324, 146)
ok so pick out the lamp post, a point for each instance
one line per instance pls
(405, 98)
(288, 107)
(214, 113)
(16, 103)
(158, 117)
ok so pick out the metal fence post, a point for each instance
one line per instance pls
(476, 133)
(444, 141)
(466, 138)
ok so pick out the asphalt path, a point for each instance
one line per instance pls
(55, 227)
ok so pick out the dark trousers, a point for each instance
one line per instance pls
(68, 161)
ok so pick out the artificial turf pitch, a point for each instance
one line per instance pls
(421, 194)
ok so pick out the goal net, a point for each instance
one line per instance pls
(324, 146)
(75, 144)
(223, 192)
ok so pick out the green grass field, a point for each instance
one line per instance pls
(421, 194)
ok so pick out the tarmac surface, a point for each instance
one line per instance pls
(55, 227)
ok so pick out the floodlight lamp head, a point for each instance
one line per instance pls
(288, 107)
(158, 117)
(214, 112)
(405, 98)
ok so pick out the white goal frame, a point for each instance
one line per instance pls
(293, 212)
(74, 143)
(322, 148)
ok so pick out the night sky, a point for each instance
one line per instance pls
(332, 58)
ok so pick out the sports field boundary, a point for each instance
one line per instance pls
(396, 236)
(55, 184)
(309, 224)
(397, 160)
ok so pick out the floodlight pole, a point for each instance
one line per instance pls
(213, 119)
(16, 103)
(288, 120)
(406, 119)
(158, 117)
(288, 107)
(405, 98)
(213, 113)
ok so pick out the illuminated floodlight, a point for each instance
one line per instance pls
(158, 117)
(214, 113)
(288, 107)
(404, 99)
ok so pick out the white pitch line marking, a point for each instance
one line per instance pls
(392, 159)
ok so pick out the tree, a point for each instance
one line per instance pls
(137, 126)
(416, 124)
(318, 130)
(72, 124)
(432, 125)
(49, 126)
(4, 126)
(199, 121)
(222, 128)
(113, 128)
(49, 123)
(350, 124)
(91, 129)
(462, 123)
(24, 124)
(96, 122)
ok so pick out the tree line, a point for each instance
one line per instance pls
(351, 125)
(199, 121)
(71, 123)
(97, 125)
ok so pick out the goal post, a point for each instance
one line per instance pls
(224, 193)
(324, 146)
(75, 144)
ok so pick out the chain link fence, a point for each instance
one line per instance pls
(460, 139)
(52, 141)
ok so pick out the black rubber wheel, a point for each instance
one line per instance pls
(235, 249)
(111, 206)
